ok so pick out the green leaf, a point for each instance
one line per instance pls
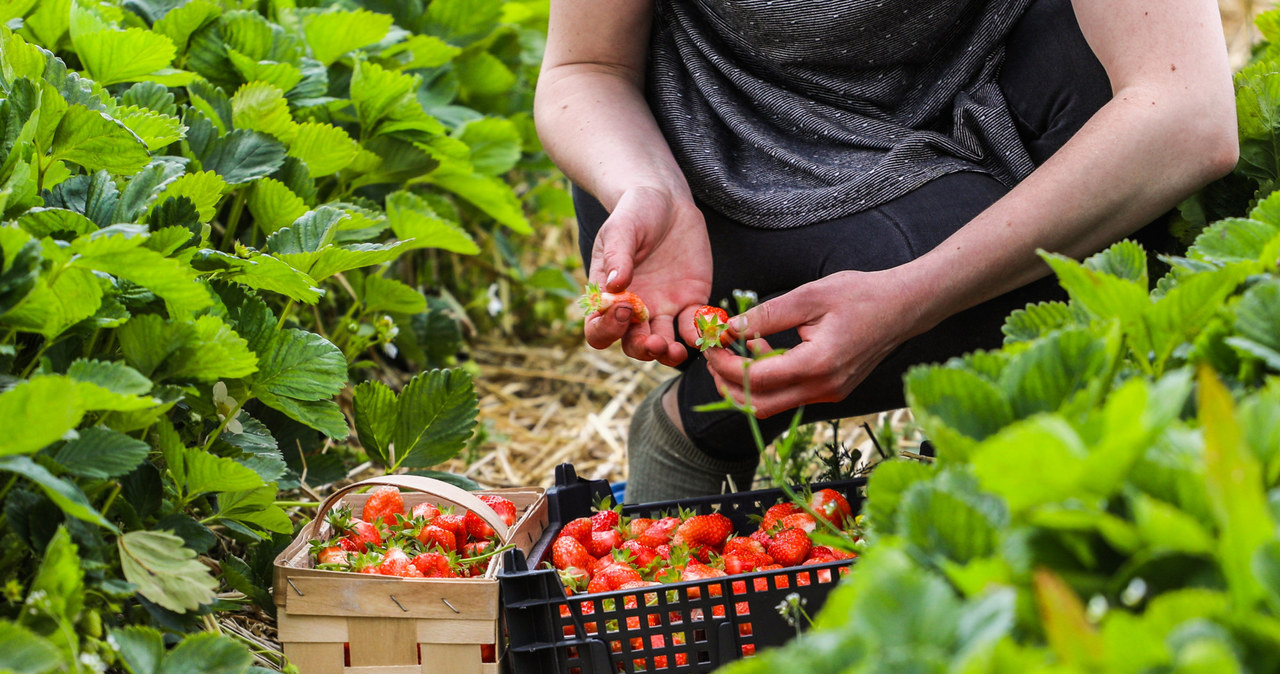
(126, 258)
(435, 416)
(1184, 311)
(22, 650)
(374, 409)
(1166, 527)
(283, 76)
(52, 307)
(206, 473)
(309, 234)
(155, 130)
(165, 570)
(44, 407)
(239, 577)
(386, 101)
(179, 23)
(20, 259)
(1054, 475)
(262, 272)
(330, 34)
(300, 365)
(491, 195)
(140, 647)
(274, 205)
(260, 106)
(1258, 314)
(256, 508)
(412, 218)
(957, 399)
(421, 51)
(207, 654)
(1124, 259)
(462, 20)
(1236, 493)
(337, 259)
(204, 189)
(324, 148)
(59, 582)
(211, 350)
(65, 494)
(1266, 567)
(885, 488)
(101, 453)
(95, 141)
(143, 189)
(384, 294)
(495, 144)
(1235, 239)
(1045, 376)
(1036, 320)
(243, 155)
(42, 222)
(114, 56)
(1102, 294)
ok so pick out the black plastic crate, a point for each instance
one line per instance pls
(689, 626)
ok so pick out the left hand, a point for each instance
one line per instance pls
(848, 322)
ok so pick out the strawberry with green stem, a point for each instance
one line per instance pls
(596, 300)
(712, 326)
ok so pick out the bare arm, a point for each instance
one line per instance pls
(1169, 129)
(594, 122)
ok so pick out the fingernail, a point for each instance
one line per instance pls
(623, 314)
(738, 324)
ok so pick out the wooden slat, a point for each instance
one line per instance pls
(384, 597)
(451, 658)
(382, 641)
(313, 629)
(315, 658)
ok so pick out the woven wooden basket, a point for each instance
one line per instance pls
(332, 622)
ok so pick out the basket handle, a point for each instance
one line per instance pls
(418, 483)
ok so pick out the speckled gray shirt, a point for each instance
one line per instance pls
(788, 112)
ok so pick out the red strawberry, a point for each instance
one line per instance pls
(567, 552)
(332, 554)
(579, 528)
(595, 300)
(427, 511)
(660, 532)
(502, 506)
(477, 528)
(708, 530)
(394, 563)
(776, 513)
(803, 521)
(711, 324)
(821, 553)
(439, 537)
(636, 526)
(618, 574)
(696, 570)
(741, 544)
(832, 506)
(606, 517)
(642, 556)
(602, 542)
(790, 546)
(362, 535)
(454, 522)
(761, 537)
(434, 565)
(385, 503)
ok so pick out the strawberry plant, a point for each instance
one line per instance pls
(215, 219)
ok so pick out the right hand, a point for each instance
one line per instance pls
(655, 245)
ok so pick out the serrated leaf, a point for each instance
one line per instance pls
(243, 155)
(143, 188)
(211, 351)
(322, 415)
(374, 409)
(958, 399)
(101, 453)
(42, 222)
(140, 647)
(411, 218)
(165, 571)
(203, 653)
(114, 56)
(274, 205)
(155, 130)
(126, 258)
(1102, 294)
(113, 376)
(1164, 526)
(461, 19)
(324, 148)
(1046, 375)
(385, 101)
(1034, 321)
(65, 494)
(309, 234)
(50, 308)
(421, 51)
(206, 473)
(330, 34)
(337, 259)
(59, 581)
(97, 142)
(885, 488)
(384, 294)
(1188, 307)
(259, 106)
(180, 22)
(496, 198)
(204, 189)
(1234, 239)
(262, 272)
(435, 415)
(300, 365)
(255, 507)
(283, 76)
(495, 144)
(1052, 477)
(1257, 315)
(20, 259)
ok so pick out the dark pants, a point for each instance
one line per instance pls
(1053, 84)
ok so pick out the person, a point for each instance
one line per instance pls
(881, 173)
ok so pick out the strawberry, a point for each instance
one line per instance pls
(642, 556)
(660, 532)
(427, 511)
(432, 535)
(831, 506)
(800, 521)
(454, 522)
(395, 562)
(821, 553)
(618, 574)
(330, 553)
(635, 526)
(602, 542)
(776, 513)
(696, 570)
(606, 517)
(579, 528)
(501, 505)
(742, 544)
(385, 504)
(760, 536)
(477, 528)
(597, 301)
(712, 325)
(362, 536)
(707, 530)
(434, 565)
(568, 552)
(790, 546)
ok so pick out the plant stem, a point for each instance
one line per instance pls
(284, 314)
(233, 221)
(297, 504)
(223, 424)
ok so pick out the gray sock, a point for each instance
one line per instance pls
(663, 464)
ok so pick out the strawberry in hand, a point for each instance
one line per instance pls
(598, 301)
(712, 325)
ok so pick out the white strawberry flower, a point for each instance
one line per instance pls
(227, 406)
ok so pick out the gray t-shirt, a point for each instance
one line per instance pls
(788, 112)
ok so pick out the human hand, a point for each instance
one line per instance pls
(655, 246)
(848, 322)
